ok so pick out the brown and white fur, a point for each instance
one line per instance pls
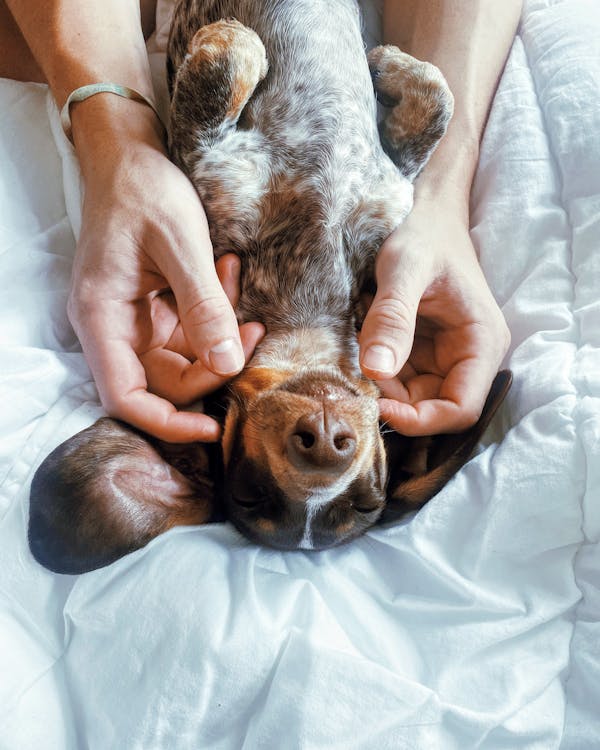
(273, 117)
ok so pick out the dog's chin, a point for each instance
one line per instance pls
(260, 510)
(292, 539)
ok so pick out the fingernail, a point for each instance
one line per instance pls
(380, 359)
(226, 358)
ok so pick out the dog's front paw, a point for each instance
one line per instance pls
(223, 64)
(231, 49)
(421, 106)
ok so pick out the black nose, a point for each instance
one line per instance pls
(321, 441)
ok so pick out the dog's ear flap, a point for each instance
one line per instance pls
(420, 467)
(108, 491)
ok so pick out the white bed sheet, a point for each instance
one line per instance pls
(475, 624)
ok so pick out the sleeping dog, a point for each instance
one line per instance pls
(273, 117)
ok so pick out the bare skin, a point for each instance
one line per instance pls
(154, 317)
(16, 60)
(433, 310)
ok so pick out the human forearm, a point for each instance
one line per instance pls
(80, 43)
(77, 43)
(433, 309)
(143, 235)
(469, 41)
(16, 60)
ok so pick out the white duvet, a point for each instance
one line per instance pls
(475, 624)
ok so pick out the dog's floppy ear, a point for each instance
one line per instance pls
(420, 467)
(108, 491)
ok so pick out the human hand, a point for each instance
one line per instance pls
(442, 333)
(154, 318)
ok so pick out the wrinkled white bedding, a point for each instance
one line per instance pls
(476, 624)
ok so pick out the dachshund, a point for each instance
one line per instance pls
(273, 117)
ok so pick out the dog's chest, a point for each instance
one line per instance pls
(301, 188)
(304, 218)
(305, 214)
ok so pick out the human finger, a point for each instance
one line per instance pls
(122, 385)
(164, 306)
(206, 314)
(171, 375)
(457, 407)
(387, 333)
(413, 389)
(228, 269)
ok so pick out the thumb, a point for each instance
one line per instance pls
(207, 315)
(388, 331)
(211, 328)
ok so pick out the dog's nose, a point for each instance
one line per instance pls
(321, 441)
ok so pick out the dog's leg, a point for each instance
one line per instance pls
(421, 107)
(224, 64)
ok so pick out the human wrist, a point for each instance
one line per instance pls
(82, 93)
(78, 47)
(107, 128)
(447, 178)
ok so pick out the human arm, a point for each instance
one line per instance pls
(144, 232)
(433, 308)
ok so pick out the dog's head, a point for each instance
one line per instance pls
(308, 468)
(305, 468)
(305, 461)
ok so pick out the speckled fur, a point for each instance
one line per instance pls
(300, 186)
(273, 118)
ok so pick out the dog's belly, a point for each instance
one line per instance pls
(303, 172)
(276, 207)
